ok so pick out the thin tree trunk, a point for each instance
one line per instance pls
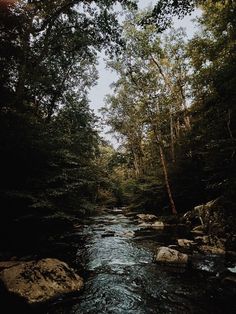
(163, 162)
(172, 203)
(186, 117)
(172, 136)
(170, 88)
(177, 128)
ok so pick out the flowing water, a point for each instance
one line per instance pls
(122, 277)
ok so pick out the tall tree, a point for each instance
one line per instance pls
(151, 90)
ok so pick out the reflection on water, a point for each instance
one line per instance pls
(122, 277)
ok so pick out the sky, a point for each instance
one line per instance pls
(107, 77)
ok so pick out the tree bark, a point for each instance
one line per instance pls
(169, 86)
(172, 203)
(172, 145)
(186, 116)
(164, 167)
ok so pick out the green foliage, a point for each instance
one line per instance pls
(214, 60)
(163, 12)
(49, 162)
(148, 107)
(181, 97)
(48, 141)
(173, 106)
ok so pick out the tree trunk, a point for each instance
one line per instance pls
(185, 109)
(177, 128)
(163, 162)
(171, 90)
(172, 203)
(172, 135)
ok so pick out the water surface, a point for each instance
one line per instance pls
(121, 276)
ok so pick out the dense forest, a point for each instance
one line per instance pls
(173, 108)
(172, 111)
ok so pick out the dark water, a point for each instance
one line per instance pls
(121, 276)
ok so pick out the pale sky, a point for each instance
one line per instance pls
(106, 77)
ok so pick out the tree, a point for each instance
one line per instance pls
(213, 58)
(47, 48)
(48, 141)
(150, 94)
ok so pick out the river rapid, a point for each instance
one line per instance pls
(121, 277)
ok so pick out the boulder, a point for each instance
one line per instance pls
(147, 217)
(184, 243)
(212, 216)
(40, 281)
(157, 225)
(171, 257)
(207, 249)
(125, 234)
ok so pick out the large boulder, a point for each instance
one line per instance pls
(40, 281)
(216, 220)
(171, 257)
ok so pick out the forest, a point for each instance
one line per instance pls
(172, 111)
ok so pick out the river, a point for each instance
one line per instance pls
(122, 277)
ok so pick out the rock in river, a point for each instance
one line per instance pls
(40, 281)
(155, 225)
(171, 257)
(158, 225)
(147, 217)
(185, 243)
(207, 249)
